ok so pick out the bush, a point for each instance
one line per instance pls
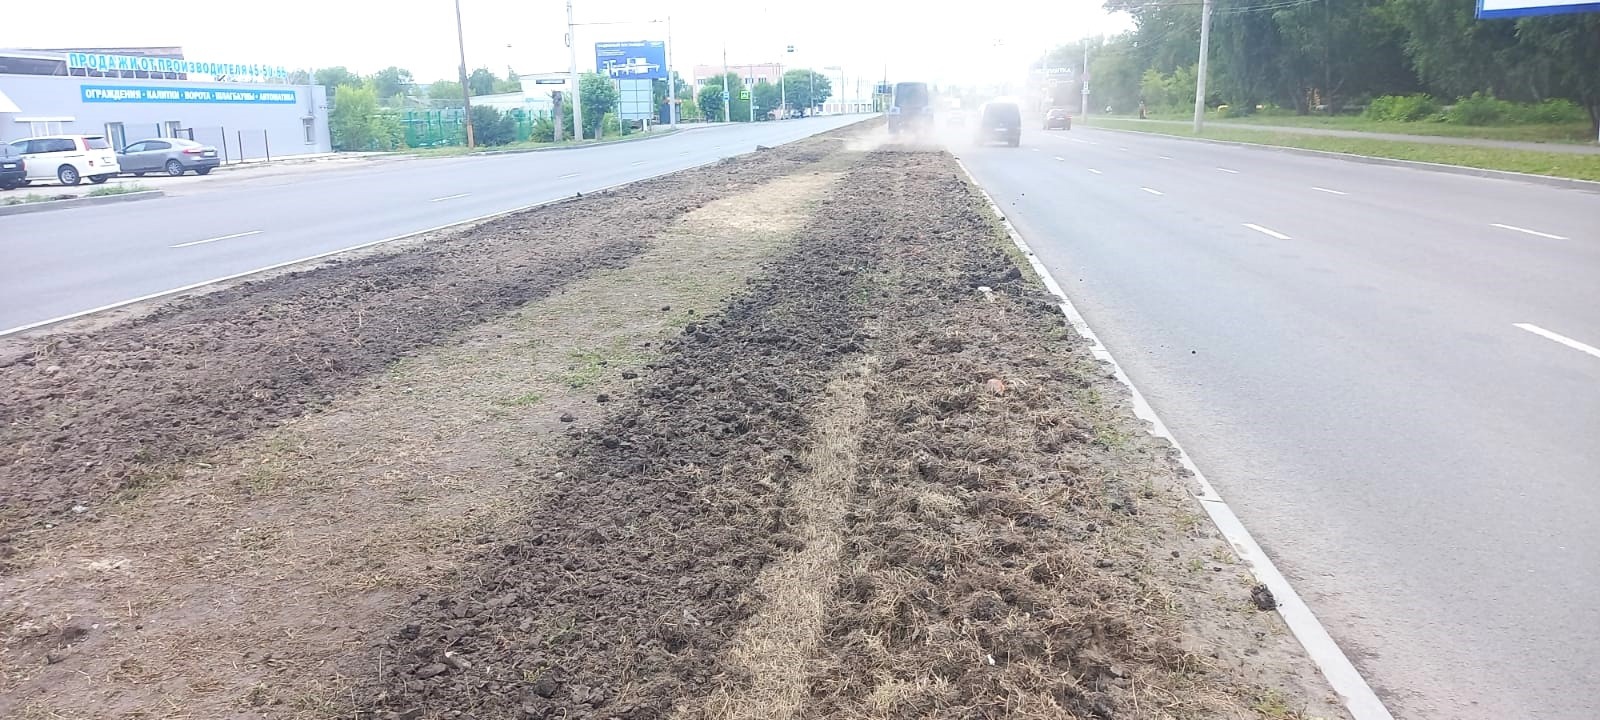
(1553, 112)
(492, 127)
(1481, 109)
(1402, 108)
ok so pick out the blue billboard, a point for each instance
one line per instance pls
(638, 60)
(1489, 9)
(183, 94)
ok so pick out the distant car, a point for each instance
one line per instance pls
(67, 159)
(13, 170)
(173, 156)
(911, 110)
(1058, 119)
(1000, 121)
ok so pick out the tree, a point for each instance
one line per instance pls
(481, 81)
(333, 77)
(806, 89)
(357, 123)
(445, 93)
(766, 97)
(709, 102)
(599, 97)
(390, 82)
(492, 127)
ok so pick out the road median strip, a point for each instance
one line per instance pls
(814, 443)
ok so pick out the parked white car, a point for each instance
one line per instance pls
(68, 159)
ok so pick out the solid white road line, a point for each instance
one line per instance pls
(1326, 190)
(1267, 231)
(212, 240)
(1230, 172)
(1558, 337)
(1097, 172)
(568, 175)
(1342, 675)
(1152, 191)
(449, 197)
(1530, 232)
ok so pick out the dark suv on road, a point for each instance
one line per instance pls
(13, 171)
(1000, 121)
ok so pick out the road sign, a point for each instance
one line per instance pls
(744, 94)
(639, 60)
(1490, 9)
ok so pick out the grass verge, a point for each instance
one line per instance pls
(1567, 133)
(1564, 165)
(529, 145)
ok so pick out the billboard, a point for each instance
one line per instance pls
(640, 60)
(1489, 9)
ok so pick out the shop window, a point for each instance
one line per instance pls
(310, 126)
(117, 135)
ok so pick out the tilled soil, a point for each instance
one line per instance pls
(627, 583)
(86, 414)
(1012, 543)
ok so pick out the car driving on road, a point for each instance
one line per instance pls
(1057, 119)
(173, 156)
(68, 159)
(1000, 121)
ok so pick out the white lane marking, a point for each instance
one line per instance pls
(1163, 157)
(1346, 680)
(637, 162)
(212, 240)
(1123, 149)
(1326, 190)
(1152, 191)
(1097, 172)
(1230, 172)
(449, 197)
(1036, 149)
(1084, 142)
(1558, 337)
(1267, 231)
(1062, 159)
(568, 175)
(1530, 232)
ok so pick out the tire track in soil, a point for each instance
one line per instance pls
(625, 587)
(84, 415)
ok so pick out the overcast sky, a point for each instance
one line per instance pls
(985, 38)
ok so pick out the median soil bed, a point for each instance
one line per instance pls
(816, 446)
(86, 414)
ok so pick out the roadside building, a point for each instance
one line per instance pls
(247, 111)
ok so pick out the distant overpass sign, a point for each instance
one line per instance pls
(1490, 9)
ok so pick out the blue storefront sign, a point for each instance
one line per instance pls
(137, 63)
(183, 94)
(639, 60)
(1494, 9)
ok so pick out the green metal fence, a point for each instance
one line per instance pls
(446, 126)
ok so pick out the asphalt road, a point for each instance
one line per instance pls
(55, 264)
(1338, 346)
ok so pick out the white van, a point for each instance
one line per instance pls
(68, 159)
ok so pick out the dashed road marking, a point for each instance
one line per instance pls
(1230, 172)
(1062, 159)
(1267, 231)
(1330, 192)
(1530, 232)
(212, 240)
(1152, 191)
(1097, 172)
(568, 175)
(1163, 157)
(1558, 337)
(449, 197)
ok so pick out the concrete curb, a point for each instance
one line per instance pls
(1343, 677)
(519, 151)
(1561, 182)
(48, 205)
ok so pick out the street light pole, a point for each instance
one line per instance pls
(727, 109)
(672, 82)
(572, 74)
(1200, 71)
(466, 94)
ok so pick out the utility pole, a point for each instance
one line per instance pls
(1083, 82)
(672, 81)
(572, 72)
(727, 106)
(466, 94)
(1200, 71)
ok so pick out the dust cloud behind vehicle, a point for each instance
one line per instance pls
(911, 109)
